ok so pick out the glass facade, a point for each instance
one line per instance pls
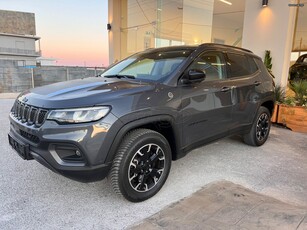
(300, 34)
(157, 23)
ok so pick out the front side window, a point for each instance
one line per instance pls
(156, 66)
(212, 64)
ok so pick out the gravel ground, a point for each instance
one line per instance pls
(33, 197)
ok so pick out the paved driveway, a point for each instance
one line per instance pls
(33, 197)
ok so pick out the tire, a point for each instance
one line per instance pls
(260, 130)
(141, 165)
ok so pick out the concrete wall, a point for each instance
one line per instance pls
(13, 22)
(270, 28)
(17, 79)
(12, 78)
(18, 36)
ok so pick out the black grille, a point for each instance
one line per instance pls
(29, 114)
(25, 113)
(33, 112)
(29, 136)
(41, 116)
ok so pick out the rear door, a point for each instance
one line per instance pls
(245, 76)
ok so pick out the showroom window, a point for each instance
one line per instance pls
(157, 23)
(300, 34)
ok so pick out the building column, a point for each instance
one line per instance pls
(270, 28)
(114, 19)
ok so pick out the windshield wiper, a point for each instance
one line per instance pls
(120, 76)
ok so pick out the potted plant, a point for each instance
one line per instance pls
(280, 95)
(293, 112)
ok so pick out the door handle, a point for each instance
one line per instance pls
(257, 83)
(225, 89)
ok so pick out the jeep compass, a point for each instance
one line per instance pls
(153, 107)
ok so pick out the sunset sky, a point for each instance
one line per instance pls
(72, 31)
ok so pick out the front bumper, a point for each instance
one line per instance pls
(82, 174)
(46, 143)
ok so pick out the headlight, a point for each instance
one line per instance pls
(79, 115)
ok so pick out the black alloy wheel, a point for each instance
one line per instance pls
(260, 129)
(141, 165)
(146, 167)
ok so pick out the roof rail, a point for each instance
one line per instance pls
(226, 46)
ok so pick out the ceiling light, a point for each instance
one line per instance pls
(227, 2)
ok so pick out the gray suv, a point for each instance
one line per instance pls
(153, 107)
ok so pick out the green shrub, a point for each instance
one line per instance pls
(300, 90)
(280, 94)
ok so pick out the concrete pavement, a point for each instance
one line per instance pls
(33, 197)
(224, 205)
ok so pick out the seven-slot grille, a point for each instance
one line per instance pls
(29, 114)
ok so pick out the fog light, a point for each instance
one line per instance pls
(68, 153)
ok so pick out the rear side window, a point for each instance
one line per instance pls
(260, 65)
(252, 65)
(241, 65)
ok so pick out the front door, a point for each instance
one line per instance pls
(206, 107)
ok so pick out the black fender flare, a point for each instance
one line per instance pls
(139, 123)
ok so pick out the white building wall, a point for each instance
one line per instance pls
(270, 28)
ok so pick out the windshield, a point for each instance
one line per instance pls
(155, 66)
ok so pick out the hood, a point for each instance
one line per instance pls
(82, 93)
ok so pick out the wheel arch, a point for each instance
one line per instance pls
(269, 105)
(163, 124)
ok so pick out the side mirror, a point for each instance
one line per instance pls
(193, 76)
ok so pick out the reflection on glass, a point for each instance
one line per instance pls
(157, 23)
(300, 34)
